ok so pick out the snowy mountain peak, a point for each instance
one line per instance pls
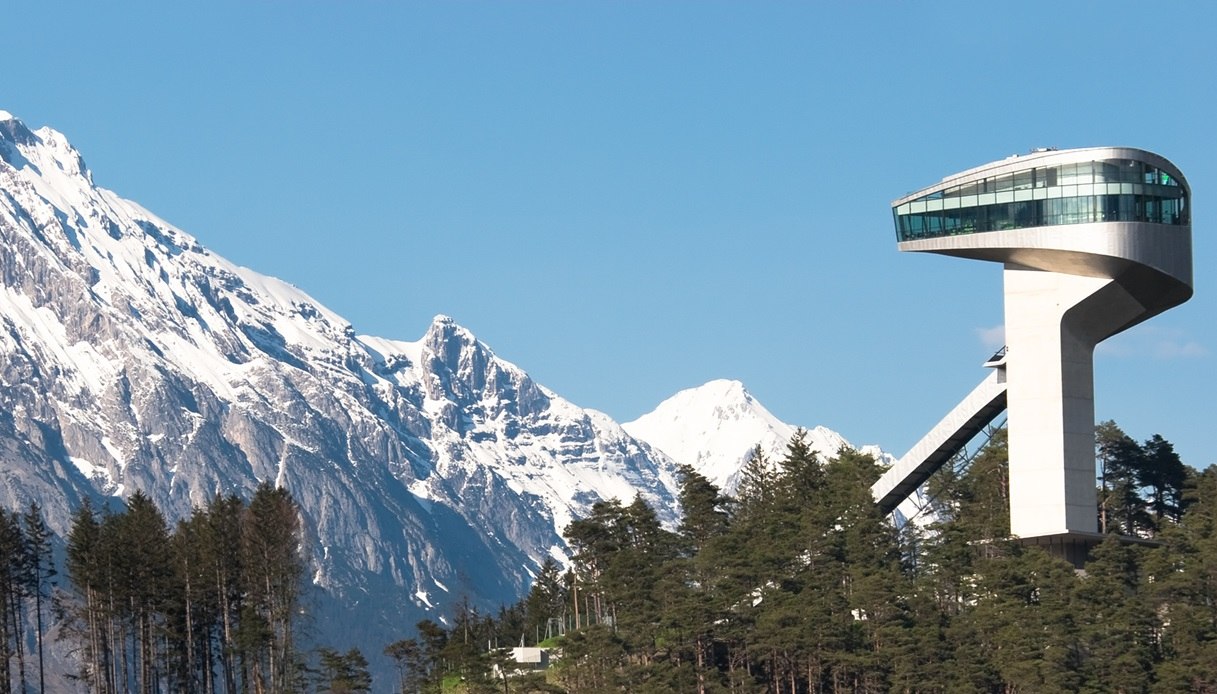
(47, 152)
(717, 401)
(725, 390)
(457, 349)
(715, 427)
(13, 137)
(14, 131)
(444, 330)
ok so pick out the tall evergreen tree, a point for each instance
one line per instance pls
(141, 546)
(273, 571)
(757, 482)
(193, 607)
(1163, 475)
(86, 610)
(703, 508)
(873, 575)
(14, 584)
(223, 556)
(42, 570)
(1120, 460)
(691, 605)
(432, 640)
(407, 655)
(546, 601)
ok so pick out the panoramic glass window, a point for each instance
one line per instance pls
(1112, 190)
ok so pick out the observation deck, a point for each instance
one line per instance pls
(1096, 212)
(1047, 188)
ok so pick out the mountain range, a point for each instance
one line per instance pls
(133, 358)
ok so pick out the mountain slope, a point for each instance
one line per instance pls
(131, 357)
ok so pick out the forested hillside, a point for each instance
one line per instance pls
(798, 585)
(795, 585)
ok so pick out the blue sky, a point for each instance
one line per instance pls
(631, 198)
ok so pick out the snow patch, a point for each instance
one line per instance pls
(90, 470)
(418, 488)
(114, 452)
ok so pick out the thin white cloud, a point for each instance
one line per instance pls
(1114, 348)
(992, 338)
(1153, 341)
(1180, 350)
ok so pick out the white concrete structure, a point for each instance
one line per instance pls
(1093, 241)
(524, 659)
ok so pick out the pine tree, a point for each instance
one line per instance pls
(1120, 459)
(433, 640)
(594, 540)
(343, 673)
(546, 600)
(1163, 475)
(87, 607)
(463, 649)
(38, 544)
(193, 606)
(968, 543)
(872, 572)
(408, 656)
(801, 469)
(593, 661)
(632, 574)
(223, 555)
(757, 483)
(690, 603)
(703, 509)
(14, 583)
(140, 543)
(272, 571)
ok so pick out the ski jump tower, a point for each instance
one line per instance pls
(1093, 241)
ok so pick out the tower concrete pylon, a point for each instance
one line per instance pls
(1092, 241)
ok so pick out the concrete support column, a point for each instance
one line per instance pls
(1053, 322)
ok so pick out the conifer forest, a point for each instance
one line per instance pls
(794, 585)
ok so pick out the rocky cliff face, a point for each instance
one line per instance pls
(131, 357)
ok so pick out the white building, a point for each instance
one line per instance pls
(1092, 241)
(524, 659)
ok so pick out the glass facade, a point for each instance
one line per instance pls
(1110, 190)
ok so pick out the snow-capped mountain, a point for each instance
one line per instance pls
(131, 357)
(715, 427)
